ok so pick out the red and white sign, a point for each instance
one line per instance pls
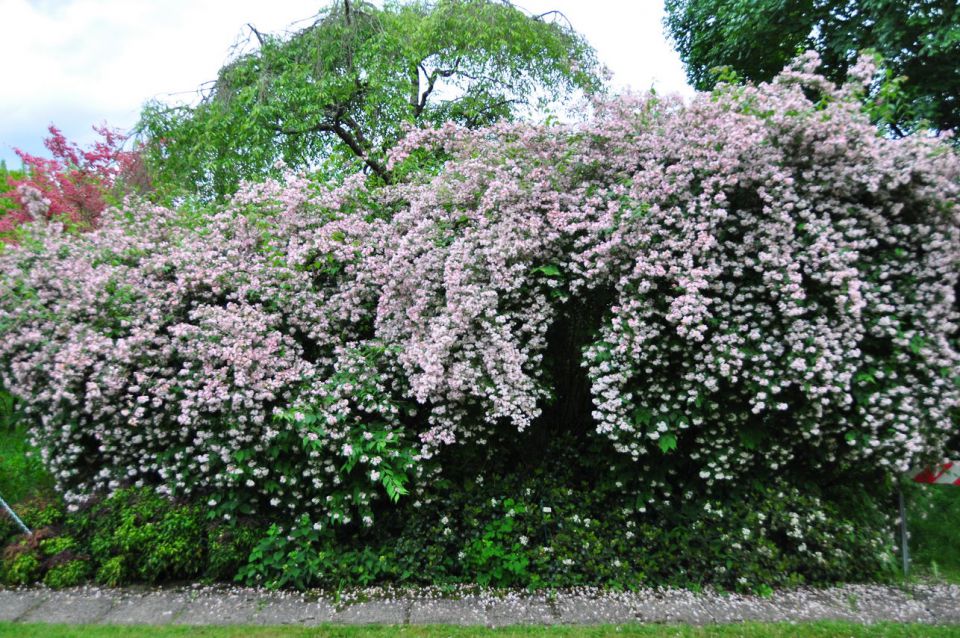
(947, 473)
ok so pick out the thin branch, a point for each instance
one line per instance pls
(347, 137)
(431, 82)
(256, 33)
(555, 12)
(373, 164)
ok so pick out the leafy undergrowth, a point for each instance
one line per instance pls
(746, 630)
(934, 524)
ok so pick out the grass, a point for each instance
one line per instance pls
(746, 630)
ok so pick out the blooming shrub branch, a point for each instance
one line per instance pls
(772, 284)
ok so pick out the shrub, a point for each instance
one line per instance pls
(40, 512)
(229, 548)
(21, 568)
(755, 284)
(560, 524)
(69, 573)
(137, 535)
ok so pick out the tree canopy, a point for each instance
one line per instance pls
(339, 92)
(919, 40)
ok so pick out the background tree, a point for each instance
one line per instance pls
(919, 39)
(74, 185)
(340, 91)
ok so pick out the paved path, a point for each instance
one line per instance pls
(932, 604)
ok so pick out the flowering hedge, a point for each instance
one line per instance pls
(752, 284)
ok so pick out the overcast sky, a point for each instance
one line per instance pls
(75, 63)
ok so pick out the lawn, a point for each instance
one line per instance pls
(748, 630)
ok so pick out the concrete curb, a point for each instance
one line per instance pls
(196, 605)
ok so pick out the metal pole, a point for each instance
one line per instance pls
(904, 535)
(16, 519)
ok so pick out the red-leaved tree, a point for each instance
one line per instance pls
(76, 184)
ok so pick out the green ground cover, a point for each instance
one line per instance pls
(747, 630)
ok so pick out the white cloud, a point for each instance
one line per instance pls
(80, 62)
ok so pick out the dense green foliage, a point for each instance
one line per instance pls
(340, 92)
(919, 40)
(552, 522)
(558, 521)
(135, 536)
(7, 177)
(933, 521)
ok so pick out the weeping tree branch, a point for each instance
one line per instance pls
(258, 35)
(351, 136)
(431, 82)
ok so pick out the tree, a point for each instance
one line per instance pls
(74, 185)
(919, 39)
(341, 91)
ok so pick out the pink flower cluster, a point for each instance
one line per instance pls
(780, 283)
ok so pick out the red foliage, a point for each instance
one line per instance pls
(76, 184)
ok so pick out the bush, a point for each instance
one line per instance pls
(20, 566)
(137, 535)
(69, 573)
(756, 284)
(228, 549)
(550, 526)
(37, 513)
(134, 536)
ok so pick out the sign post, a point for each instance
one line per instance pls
(904, 534)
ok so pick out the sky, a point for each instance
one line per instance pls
(77, 63)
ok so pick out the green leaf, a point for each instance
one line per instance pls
(642, 416)
(667, 443)
(549, 270)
